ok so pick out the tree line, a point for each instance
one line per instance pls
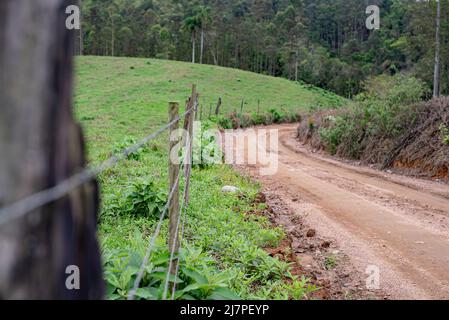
(321, 42)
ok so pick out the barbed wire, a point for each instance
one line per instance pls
(37, 200)
(141, 272)
(172, 252)
(182, 213)
(149, 250)
(181, 238)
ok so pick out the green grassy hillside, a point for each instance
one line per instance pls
(128, 96)
(120, 100)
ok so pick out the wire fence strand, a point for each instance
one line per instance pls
(141, 272)
(184, 217)
(37, 200)
(149, 250)
(172, 249)
(172, 254)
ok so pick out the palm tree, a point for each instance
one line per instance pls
(112, 14)
(192, 24)
(203, 16)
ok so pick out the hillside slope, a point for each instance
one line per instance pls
(109, 88)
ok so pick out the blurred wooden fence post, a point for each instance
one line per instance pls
(173, 173)
(41, 146)
(217, 110)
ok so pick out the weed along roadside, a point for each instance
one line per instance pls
(217, 246)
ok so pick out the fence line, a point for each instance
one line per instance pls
(172, 252)
(185, 202)
(37, 200)
(192, 106)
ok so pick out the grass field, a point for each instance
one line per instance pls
(119, 100)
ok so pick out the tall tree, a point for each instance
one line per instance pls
(322, 42)
(436, 78)
(81, 36)
(192, 24)
(111, 17)
(204, 19)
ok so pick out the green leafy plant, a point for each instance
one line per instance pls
(205, 147)
(331, 262)
(119, 148)
(197, 279)
(444, 132)
(258, 119)
(144, 199)
(225, 123)
(277, 116)
(377, 115)
(245, 120)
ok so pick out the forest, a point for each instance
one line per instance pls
(320, 42)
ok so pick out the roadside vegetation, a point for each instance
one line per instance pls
(277, 115)
(118, 101)
(388, 125)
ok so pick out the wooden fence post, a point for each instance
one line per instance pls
(188, 128)
(52, 252)
(174, 180)
(217, 110)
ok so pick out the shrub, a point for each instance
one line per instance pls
(119, 148)
(197, 280)
(269, 119)
(291, 117)
(144, 199)
(258, 119)
(277, 116)
(378, 116)
(444, 132)
(205, 147)
(225, 123)
(341, 134)
(331, 138)
(245, 120)
(235, 120)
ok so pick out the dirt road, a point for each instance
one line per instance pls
(395, 223)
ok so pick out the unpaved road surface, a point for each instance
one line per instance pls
(397, 224)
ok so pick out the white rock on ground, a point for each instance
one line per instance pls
(230, 189)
